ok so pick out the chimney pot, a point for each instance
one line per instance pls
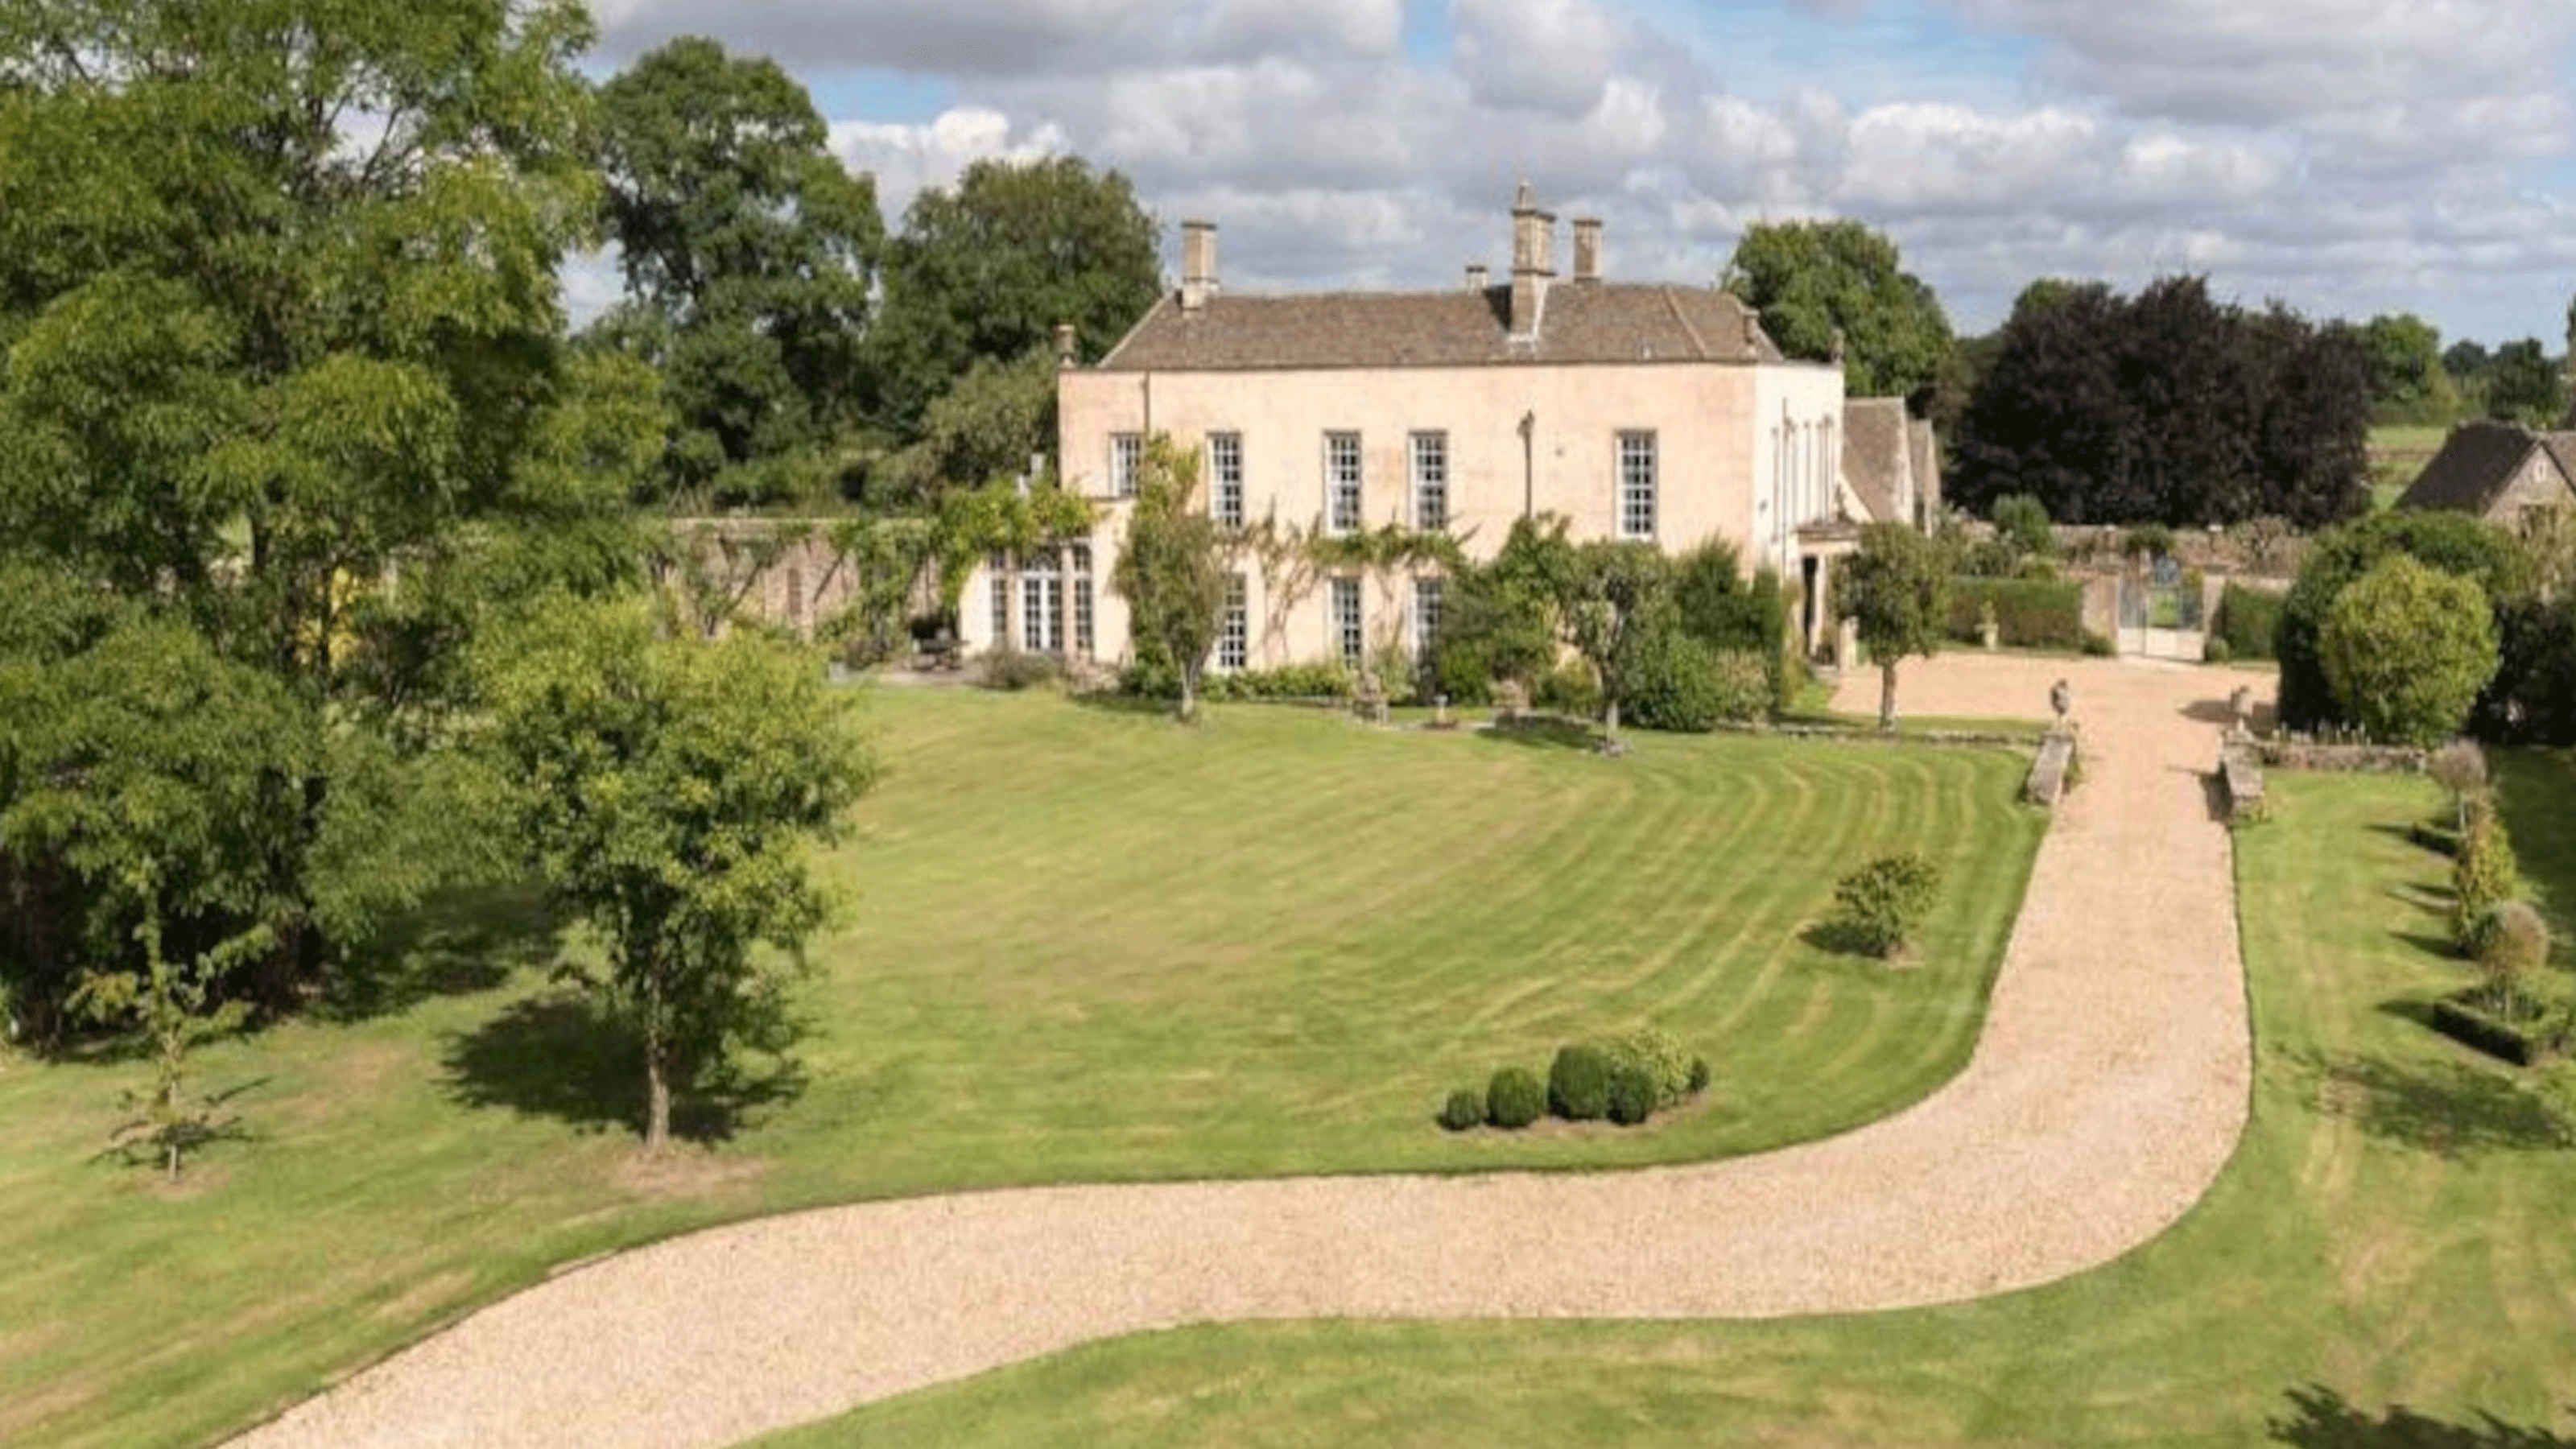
(1752, 329)
(1198, 264)
(1587, 249)
(1478, 278)
(1064, 353)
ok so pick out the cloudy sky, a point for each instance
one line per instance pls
(2348, 156)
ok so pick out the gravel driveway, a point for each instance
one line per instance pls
(2108, 1089)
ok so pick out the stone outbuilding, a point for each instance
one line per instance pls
(2497, 472)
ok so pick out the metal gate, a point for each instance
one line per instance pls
(2160, 612)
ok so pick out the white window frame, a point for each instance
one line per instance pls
(1085, 622)
(1041, 603)
(1348, 621)
(1234, 632)
(1637, 498)
(1345, 483)
(1430, 604)
(1429, 454)
(1126, 455)
(1225, 479)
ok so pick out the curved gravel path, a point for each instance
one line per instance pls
(2107, 1090)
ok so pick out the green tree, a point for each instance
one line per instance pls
(260, 354)
(989, 268)
(1896, 589)
(2407, 648)
(1613, 596)
(1816, 281)
(749, 253)
(668, 789)
(2021, 523)
(2522, 386)
(985, 428)
(2406, 373)
(1171, 566)
(2451, 542)
(1498, 622)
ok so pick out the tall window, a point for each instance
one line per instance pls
(1084, 642)
(1126, 451)
(1426, 618)
(1346, 622)
(1342, 482)
(1225, 479)
(1234, 636)
(997, 565)
(1430, 481)
(1637, 485)
(1041, 603)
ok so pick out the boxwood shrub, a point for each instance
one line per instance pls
(1661, 1058)
(2519, 1042)
(1877, 907)
(1632, 1093)
(2029, 613)
(1578, 1084)
(1514, 1099)
(1672, 683)
(1464, 1109)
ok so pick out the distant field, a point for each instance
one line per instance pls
(1083, 944)
(2397, 453)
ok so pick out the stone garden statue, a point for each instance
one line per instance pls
(2061, 699)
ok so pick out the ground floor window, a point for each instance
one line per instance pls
(1234, 636)
(1347, 635)
(1042, 604)
(997, 564)
(1426, 619)
(1084, 641)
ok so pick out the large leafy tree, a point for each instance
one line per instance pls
(2522, 386)
(2166, 407)
(1498, 622)
(2453, 543)
(1896, 590)
(669, 788)
(2408, 648)
(1815, 281)
(988, 268)
(2405, 358)
(1171, 566)
(749, 252)
(278, 323)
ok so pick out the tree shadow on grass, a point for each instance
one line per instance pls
(1542, 732)
(2450, 1109)
(456, 944)
(2320, 1418)
(559, 1055)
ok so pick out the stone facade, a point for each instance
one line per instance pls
(1660, 413)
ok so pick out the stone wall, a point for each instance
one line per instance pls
(784, 572)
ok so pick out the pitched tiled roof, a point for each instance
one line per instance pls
(1580, 322)
(1876, 461)
(2475, 464)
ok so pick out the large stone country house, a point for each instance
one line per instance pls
(1648, 411)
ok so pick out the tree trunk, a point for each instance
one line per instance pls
(1887, 696)
(1610, 719)
(657, 1074)
(1189, 693)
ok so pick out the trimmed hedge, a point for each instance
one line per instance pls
(2029, 613)
(1578, 1084)
(2521, 1043)
(1291, 681)
(1514, 1099)
(2248, 621)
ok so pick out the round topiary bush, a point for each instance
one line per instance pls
(1464, 1109)
(1661, 1057)
(1578, 1084)
(1514, 1099)
(1632, 1093)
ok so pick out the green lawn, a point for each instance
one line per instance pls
(2398, 452)
(1082, 945)
(2390, 1260)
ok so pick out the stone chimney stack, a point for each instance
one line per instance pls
(1752, 330)
(1198, 264)
(1587, 249)
(1064, 353)
(1478, 278)
(1533, 261)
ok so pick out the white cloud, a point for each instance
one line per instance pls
(908, 159)
(1554, 56)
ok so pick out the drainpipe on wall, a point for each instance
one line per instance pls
(1529, 464)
